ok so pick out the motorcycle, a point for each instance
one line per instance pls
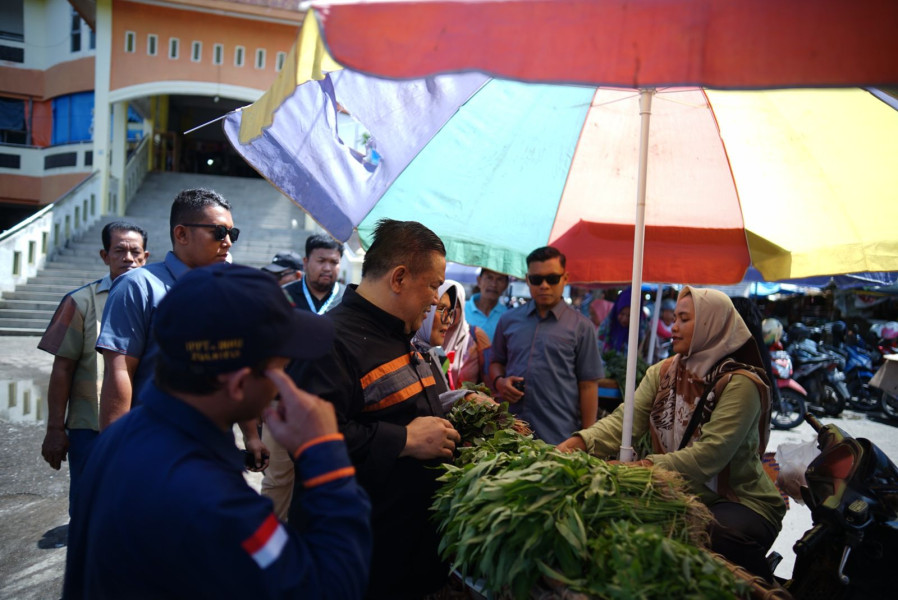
(888, 402)
(819, 373)
(788, 399)
(852, 492)
(858, 373)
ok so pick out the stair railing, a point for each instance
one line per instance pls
(26, 248)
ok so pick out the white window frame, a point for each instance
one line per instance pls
(218, 54)
(196, 51)
(279, 61)
(174, 48)
(152, 44)
(260, 58)
(239, 56)
(130, 40)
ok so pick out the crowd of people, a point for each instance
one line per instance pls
(341, 394)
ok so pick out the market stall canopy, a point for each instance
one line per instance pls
(745, 44)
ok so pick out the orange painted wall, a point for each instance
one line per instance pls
(188, 26)
(60, 79)
(22, 189)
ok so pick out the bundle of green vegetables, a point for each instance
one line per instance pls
(477, 421)
(514, 510)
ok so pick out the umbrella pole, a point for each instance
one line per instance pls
(645, 112)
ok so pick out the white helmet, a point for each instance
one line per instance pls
(772, 330)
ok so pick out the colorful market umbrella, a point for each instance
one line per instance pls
(822, 65)
(498, 168)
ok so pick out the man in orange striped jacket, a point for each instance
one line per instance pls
(388, 405)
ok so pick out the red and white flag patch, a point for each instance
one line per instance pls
(266, 544)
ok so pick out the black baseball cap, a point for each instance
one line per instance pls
(284, 261)
(224, 317)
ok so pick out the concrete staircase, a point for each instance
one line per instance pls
(269, 222)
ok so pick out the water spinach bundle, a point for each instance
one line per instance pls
(516, 513)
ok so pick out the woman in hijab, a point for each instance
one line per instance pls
(430, 340)
(614, 332)
(466, 345)
(707, 411)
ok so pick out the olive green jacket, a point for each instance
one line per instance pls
(729, 437)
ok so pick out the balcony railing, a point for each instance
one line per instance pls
(25, 248)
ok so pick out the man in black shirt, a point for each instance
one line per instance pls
(388, 405)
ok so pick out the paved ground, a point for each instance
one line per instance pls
(34, 498)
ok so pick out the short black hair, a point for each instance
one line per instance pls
(397, 243)
(546, 253)
(313, 242)
(188, 206)
(114, 226)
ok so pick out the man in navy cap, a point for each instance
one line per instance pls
(286, 267)
(165, 510)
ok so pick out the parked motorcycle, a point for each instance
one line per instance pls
(884, 338)
(852, 492)
(818, 371)
(788, 400)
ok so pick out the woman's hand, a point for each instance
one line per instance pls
(572, 444)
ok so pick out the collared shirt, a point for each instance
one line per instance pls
(474, 316)
(72, 334)
(128, 316)
(553, 355)
(166, 513)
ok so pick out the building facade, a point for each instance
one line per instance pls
(83, 82)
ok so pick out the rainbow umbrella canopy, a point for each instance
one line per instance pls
(799, 182)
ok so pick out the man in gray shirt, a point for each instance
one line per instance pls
(545, 360)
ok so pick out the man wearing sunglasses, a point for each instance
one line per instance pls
(202, 231)
(545, 359)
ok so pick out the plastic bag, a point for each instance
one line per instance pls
(793, 460)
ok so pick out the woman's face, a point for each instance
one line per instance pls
(438, 330)
(684, 325)
(623, 317)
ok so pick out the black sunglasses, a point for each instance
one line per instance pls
(219, 231)
(552, 279)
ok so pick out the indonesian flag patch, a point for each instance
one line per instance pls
(266, 544)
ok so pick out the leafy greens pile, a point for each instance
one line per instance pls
(515, 512)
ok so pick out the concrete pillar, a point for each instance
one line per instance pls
(102, 70)
(119, 151)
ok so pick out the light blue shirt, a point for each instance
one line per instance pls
(474, 316)
(553, 355)
(128, 315)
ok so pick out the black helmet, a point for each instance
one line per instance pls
(838, 331)
(798, 332)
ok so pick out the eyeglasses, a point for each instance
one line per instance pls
(447, 315)
(219, 231)
(552, 279)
